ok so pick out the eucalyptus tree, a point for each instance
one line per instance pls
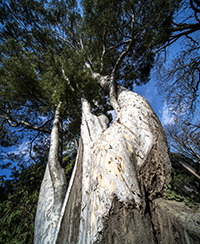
(55, 56)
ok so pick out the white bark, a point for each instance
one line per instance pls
(117, 169)
(112, 158)
(53, 188)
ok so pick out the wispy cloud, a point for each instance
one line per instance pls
(167, 117)
(149, 95)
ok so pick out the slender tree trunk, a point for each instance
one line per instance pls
(53, 188)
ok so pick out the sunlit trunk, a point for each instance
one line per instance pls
(119, 175)
(53, 188)
(118, 171)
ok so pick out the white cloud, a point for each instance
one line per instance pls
(166, 118)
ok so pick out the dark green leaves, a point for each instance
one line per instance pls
(110, 26)
(19, 197)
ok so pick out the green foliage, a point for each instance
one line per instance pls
(45, 45)
(184, 187)
(109, 25)
(19, 196)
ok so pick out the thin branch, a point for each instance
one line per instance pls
(184, 29)
(102, 56)
(196, 17)
(65, 40)
(188, 135)
(31, 143)
(197, 155)
(14, 123)
(189, 37)
(181, 27)
(125, 52)
(193, 7)
(120, 44)
(73, 35)
(167, 45)
(67, 80)
(189, 169)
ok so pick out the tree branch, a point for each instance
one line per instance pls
(16, 123)
(196, 10)
(113, 86)
(125, 52)
(197, 155)
(31, 143)
(188, 135)
(189, 169)
(65, 40)
(67, 80)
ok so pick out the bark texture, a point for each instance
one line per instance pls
(174, 222)
(129, 162)
(119, 172)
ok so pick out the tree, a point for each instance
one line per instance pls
(185, 183)
(69, 57)
(178, 82)
(184, 139)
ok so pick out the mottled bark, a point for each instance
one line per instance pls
(119, 172)
(128, 162)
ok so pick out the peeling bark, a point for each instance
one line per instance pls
(174, 222)
(128, 161)
(118, 173)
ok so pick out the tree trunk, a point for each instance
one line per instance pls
(118, 173)
(124, 167)
(53, 188)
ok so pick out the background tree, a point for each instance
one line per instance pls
(178, 82)
(19, 197)
(184, 139)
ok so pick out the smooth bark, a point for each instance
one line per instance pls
(53, 188)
